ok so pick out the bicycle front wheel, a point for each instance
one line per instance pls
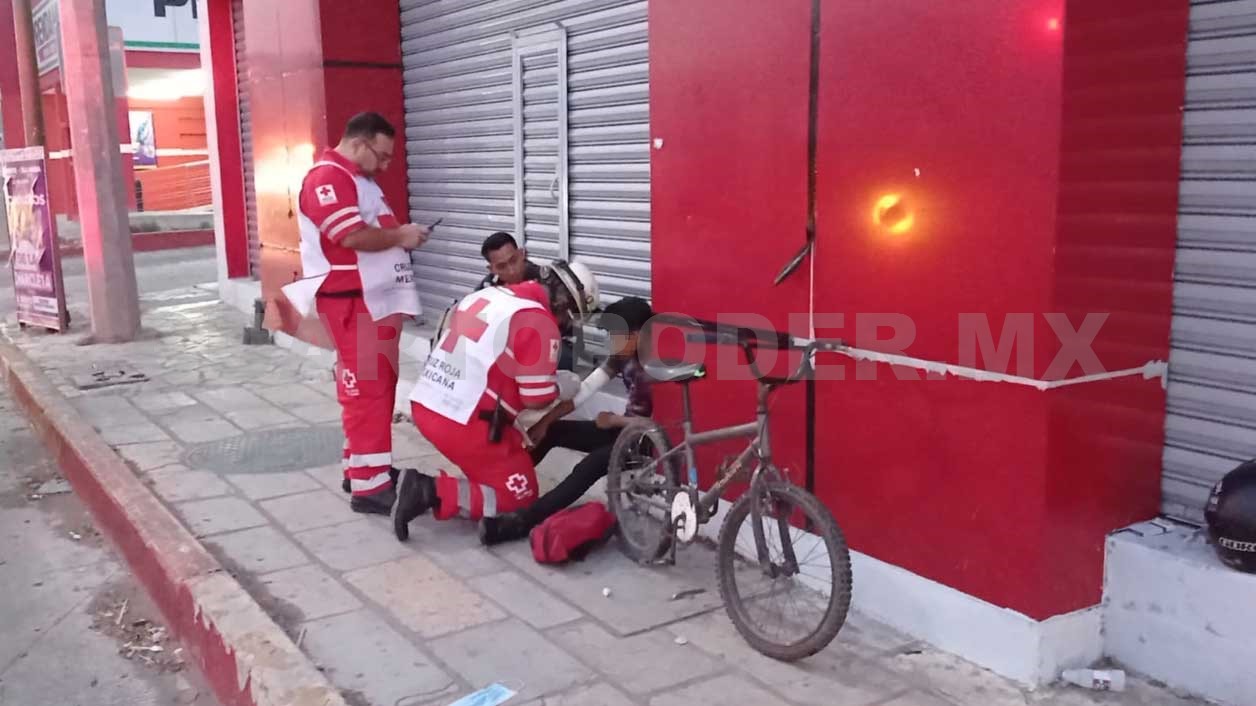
(792, 605)
(640, 484)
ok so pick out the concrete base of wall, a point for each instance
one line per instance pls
(1172, 610)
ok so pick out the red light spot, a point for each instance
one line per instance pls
(1053, 24)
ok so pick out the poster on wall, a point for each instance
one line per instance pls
(46, 22)
(143, 138)
(34, 257)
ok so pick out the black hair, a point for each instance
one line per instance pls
(368, 125)
(628, 315)
(496, 242)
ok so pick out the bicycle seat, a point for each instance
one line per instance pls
(682, 372)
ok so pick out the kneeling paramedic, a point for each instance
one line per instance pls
(356, 260)
(624, 320)
(498, 357)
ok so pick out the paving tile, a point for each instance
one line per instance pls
(291, 395)
(408, 444)
(644, 592)
(640, 664)
(363, 655)
(318, 508)
(310, 590)
(148, 457)
(423, 597)
(353, 545)
(525, 599)
(920, 698)
(317, 413)
(231, 399)
(513, 654)
(950, 676)
(158, 402)
(142, 433)
(596, 695)
(176, 484)
(267, 417)
(329, 477)
(194, 425)
(259, 550)
(218, 515)
(464, 561)
(105, 411)
(258, 486)
(835, 675)
(728, 690)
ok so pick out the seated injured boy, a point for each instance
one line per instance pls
(623, 320)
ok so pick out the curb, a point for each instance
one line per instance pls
(245, 657)
(143, 241)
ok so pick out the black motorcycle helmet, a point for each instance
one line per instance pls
(1231, 517)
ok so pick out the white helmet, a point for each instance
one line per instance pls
(580, 283)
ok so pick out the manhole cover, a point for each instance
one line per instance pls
(275, 451)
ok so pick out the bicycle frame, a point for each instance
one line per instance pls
(760, 447)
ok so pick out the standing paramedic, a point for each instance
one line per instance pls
(358, 277)
(498, 357)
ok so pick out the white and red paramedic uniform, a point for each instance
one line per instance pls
(502, 344)
(361, 298)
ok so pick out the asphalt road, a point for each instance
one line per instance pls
(78, 630)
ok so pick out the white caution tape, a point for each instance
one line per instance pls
(1152, 369)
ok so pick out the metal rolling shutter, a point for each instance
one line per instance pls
(1211, 423)
(460, 69)
(246, 137)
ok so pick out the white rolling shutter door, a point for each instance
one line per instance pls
(460, 72)
(246, 138)
(1211, 423)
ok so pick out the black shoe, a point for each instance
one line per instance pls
(416, 494)
(503, 528)
(393, 472)
(380, 503)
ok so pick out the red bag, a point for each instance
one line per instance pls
(571, 533)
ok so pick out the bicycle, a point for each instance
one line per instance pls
(658, 505)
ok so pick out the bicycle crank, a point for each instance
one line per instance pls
(684, 518)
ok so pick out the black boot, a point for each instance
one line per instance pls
(380, 503)
(416, 494)
(509, 527)
(393, 473)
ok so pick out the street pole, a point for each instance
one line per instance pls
(112, 294)
(28, 74)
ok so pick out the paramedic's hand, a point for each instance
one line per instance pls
(411, 236)
(608, 420)
(537, 432)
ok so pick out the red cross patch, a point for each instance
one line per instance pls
(326, 195)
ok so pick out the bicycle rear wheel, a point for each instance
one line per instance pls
(787, 610)
(639, 489)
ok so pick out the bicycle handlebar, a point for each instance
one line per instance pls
(749, 338)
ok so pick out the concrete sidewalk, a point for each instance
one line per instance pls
(242, 443)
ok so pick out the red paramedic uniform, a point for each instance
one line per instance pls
(361, 300)
(502, 345)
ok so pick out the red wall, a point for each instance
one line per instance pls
(729, 187)
(337, 59)
(1023, 203)
(10, 90)
(362, 71)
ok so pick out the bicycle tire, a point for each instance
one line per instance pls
(825, 526)
(645, 549)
